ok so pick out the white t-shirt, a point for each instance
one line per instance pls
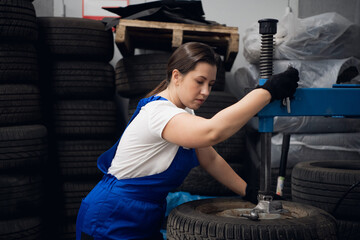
(142, 151)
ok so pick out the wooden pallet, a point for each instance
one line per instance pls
(131, 34)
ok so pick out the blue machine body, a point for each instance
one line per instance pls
(340, 101)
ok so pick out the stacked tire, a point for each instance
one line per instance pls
(333, 186)
(23, 136)
(79, 85)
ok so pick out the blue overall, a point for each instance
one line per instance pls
(131, 208)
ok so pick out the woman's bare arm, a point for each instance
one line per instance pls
(217, 167)
(195, 132)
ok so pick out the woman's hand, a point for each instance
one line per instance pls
(282, 85)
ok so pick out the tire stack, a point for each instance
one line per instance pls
(333, 186)
(139, 74)
(78, 84)
(23, 136)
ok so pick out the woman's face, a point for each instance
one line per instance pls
(194, 87)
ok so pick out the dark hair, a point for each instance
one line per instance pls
(185, 59)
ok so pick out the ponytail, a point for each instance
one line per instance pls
(159, 88)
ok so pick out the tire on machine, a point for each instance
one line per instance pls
(201, 219)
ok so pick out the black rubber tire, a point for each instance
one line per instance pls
(197, 220)
(18, 63)
(199, 182)
(20, 195)
(233, 149)
(220, 79)
(139, 74)
(22, 147)
(74, 192)
(133, 102)
(75, 39)
(83, 80)
(83, 119)
(18, 21)
(323, 183)
(67, 230)
(348, 230)
(216, 102)
(78, 158)
(19, 104)
(22, 228)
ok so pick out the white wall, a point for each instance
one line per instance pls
(67, 8)
(44, 8)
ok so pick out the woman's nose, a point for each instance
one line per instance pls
(205, 90)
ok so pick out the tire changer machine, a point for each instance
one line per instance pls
(337, 101)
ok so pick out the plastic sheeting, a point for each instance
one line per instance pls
(312, 73)
(325, 36)
(309, 147)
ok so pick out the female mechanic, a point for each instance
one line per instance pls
(163, 141)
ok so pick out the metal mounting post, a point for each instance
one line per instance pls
(267, 29)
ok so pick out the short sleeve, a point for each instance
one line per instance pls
(159, 114)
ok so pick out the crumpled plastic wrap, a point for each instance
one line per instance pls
(319, 73)
(309, 147)
(325, 36)
(312, 73)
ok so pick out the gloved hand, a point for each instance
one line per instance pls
(251, 194)
(282, 85)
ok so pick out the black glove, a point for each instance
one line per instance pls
(251, 194)
(282, 85)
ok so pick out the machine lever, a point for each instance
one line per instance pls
(286, 102)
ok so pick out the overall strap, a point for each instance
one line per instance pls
(105, 159)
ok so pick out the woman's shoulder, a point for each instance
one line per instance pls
(165, 105)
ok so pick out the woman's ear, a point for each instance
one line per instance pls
(176, 76)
